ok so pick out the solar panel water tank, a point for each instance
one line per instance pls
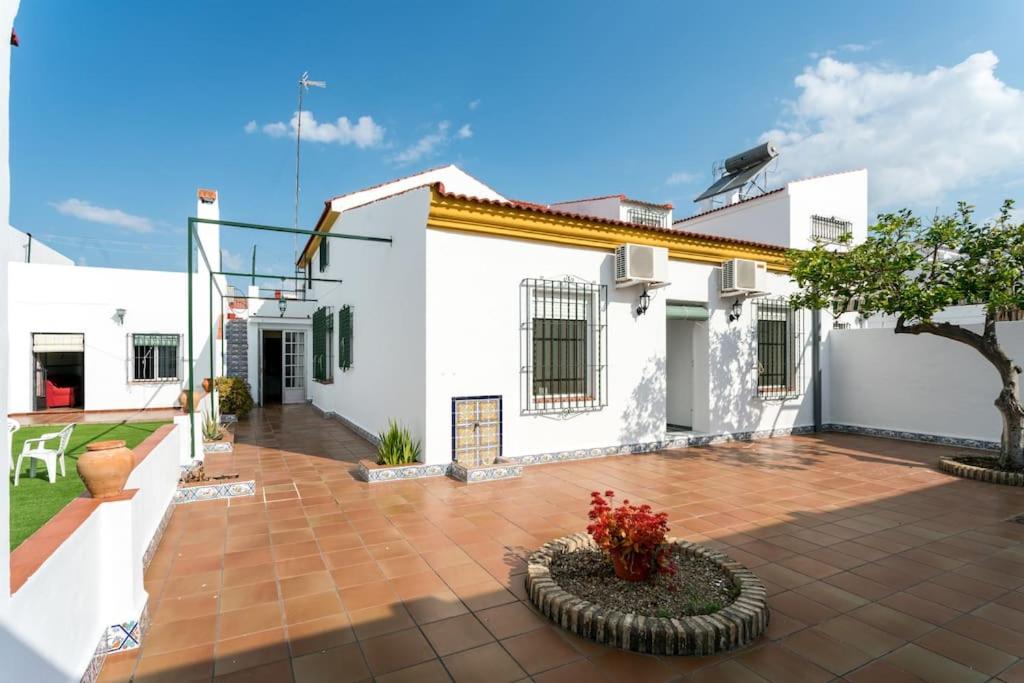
(740, 169)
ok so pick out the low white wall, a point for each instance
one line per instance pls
(53, 298)
(920, 384)
(92, 581)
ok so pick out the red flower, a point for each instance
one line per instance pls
(633, 533)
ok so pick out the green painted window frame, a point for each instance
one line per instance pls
(345, 327)
(325, 254)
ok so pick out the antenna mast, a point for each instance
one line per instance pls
(304, 83)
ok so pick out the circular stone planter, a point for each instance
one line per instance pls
(961, 469)
(733, 626)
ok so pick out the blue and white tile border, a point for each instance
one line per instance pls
(202, 492)
(218, 447)
(117, 638)
(502, 469)
(372, 473)
(938, 439)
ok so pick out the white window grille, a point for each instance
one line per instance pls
(154, 357)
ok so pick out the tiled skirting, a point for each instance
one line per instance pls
(370, 472)
(195, 494)
(158, 535)
(218, 447)
(372, 438)
(502, 469)
(118, 638)
(960, 442)
(682, 441)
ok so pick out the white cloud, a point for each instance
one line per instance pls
(855, 47)
(97, 214)
(251, 127)
(464, 132)
(474, 104)
(920, 135)
(231, 261)
(431, 143)
(682, 178)
(365, 132)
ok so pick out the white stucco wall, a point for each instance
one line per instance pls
(473, 344)
(7, 12)
(763, 219)
(602, 207)
(842, 195)
(919, 384)
(784, 218)
(22, 249)
(52, 298)
(384, 286)
(74, 591)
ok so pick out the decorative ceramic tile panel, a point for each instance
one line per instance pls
(476, 430)
(400, 473)
(502, 469)
(218, 447)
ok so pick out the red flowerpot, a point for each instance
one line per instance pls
(639, 571)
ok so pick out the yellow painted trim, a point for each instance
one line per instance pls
(484, 218)
(323, 226)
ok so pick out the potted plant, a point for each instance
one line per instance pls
(633, 536)
(211, 428)
(207, 384)
(395, 446)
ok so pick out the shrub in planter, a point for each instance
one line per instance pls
(633, 536)
(396, 446)
(235, 396)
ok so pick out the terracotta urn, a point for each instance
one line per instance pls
(207, 384)
(105, 466)
(638, 572)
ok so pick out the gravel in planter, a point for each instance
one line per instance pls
(699, 586)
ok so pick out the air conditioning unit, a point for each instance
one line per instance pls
(743, 276)
(638, 264)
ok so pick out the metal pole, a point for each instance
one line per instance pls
(213, 352)
(273, 277)
(191, 353)
(298, 152)
(297, 231)
(28, 255)
(816, 366)
(253, 281)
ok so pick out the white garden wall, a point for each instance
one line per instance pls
(920, 384)
(54, 298)
(93, 580)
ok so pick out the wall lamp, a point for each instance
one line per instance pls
(282, 305)
(645, 302)
(736, 311)
(119, 314)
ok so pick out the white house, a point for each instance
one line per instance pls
(90, 338)
(496, 326)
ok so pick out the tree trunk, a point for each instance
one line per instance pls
(1011, 447)
(1011, 450)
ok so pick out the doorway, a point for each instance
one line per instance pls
(283, 366)
(58, 377)
(679, 375)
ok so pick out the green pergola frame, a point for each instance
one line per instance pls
(192, 240)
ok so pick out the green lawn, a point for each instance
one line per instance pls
(35, 500)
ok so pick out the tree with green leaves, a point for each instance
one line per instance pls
(914, 270)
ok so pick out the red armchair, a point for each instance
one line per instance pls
(59, 397)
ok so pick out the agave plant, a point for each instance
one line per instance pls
(211, 428)
(396, 446)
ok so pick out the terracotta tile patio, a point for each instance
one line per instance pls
(879, 567)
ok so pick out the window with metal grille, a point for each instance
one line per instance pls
(644, 216)
(778, 330)
(154, 357)
(345, 337)
(323, 344)
(309, 274)
(830, 230)
(563, 346)
(325, 254)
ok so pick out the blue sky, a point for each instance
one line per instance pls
(119, 111)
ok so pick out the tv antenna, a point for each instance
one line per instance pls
(304, 84)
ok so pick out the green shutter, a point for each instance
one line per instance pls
(320, 317)
(345, 337)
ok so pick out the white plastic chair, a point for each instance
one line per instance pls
(35, 449)
(12, 426)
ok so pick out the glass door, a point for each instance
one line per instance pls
(294, 362)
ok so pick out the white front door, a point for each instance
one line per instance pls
(294, 364)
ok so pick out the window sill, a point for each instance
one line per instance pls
(169, 380)
(324, 381)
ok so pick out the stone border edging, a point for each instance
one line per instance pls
(733, 626)
(965, 471)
